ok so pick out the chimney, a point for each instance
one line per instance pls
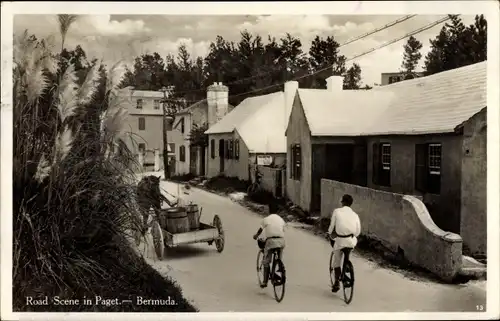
(290, 91)
(334, 83)
(217, 101)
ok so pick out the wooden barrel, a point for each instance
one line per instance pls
(193, 216)
(174, 220)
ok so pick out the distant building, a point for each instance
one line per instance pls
(392, 77)
(145, 123)
(192, 159)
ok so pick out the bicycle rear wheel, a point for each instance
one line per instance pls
(348, 281)
(278, 279)
(260, 267)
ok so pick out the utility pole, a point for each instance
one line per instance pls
(167, 117)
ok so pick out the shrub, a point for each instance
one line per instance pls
(72, 186)
(227, 184)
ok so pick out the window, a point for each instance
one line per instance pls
(428, 168)
(142, 123)
(237, 149)
(156, 104)
(212, 148)
(296, 162)
(142, 148)
(394, 79)
(139, 104)
(182, 153)
(230, 149)
(172, 147)
(381, 174)
(182, 125)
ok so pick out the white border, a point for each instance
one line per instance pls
(489, 8)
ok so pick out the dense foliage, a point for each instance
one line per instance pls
(73, 179)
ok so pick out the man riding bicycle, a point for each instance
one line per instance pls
(344, 229)
(273, 237)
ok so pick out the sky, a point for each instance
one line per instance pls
(123, 37)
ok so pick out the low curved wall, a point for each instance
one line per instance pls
(400, 222)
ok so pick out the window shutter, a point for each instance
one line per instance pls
(376, 163)
(420, 167)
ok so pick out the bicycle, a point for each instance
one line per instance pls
(255, 186)
(277, 273)
(346, 276)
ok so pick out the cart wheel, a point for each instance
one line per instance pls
(158, 239)
(219, 242)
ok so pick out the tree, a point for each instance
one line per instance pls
(148, 73)
(436, 58)
(197, 136)
(411, 57)
(292, 60)
(457, 45)
(352, 77)
(323, 54)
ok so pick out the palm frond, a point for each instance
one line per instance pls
(65, 22)
(114, 77)
(43, 169)
(89, 86)
(36, 82)
(64, 143)
(67, 101)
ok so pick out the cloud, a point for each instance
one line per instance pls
(124, 37)
(103, 25)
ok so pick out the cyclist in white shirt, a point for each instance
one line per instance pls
(271, 235)
(344, 229)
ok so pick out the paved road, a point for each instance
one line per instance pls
(227, 281)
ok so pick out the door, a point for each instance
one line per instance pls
(221, 155)
(193, 159)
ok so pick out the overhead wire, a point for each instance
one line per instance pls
(385, 44)
(378, 29)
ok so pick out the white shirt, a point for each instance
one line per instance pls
(345, 222)
(272, 226)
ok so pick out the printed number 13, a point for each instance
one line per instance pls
(480, 307)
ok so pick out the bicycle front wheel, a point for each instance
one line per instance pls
(260, 267)
(348, 281)
(279, 279)
(332, 271)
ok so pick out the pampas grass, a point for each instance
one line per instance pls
(73, 189)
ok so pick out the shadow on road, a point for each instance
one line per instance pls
(186, 251)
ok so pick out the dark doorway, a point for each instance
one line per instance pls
(340, 164)
(203, 161)
(330, 161)
(279, 184)
(221, 155)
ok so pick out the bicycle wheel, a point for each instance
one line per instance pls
(278, 279)
(332, 271)
(260, 267)
(348, 281)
